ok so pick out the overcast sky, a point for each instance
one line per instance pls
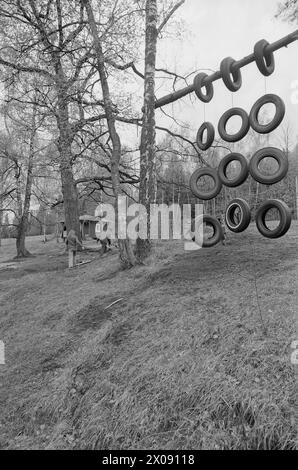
(215, 29)
(211, 31)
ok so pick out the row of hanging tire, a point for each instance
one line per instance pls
(219, 175)
(243, 222)
(231, 74)
(220, 178)
(248, 121)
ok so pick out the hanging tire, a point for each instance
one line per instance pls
(231, 78)
(277, 155)
(200, 81)
(264, 59)
(206, 126)
(241, 177)
(285, 218)
(234, 223)
(279, 114)
(223, 123)
(217, 231)
(211, 193)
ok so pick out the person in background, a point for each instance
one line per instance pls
(64, 234)
(105, 242)
(72, 243)
(220, 219)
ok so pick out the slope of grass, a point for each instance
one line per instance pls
(181, 362)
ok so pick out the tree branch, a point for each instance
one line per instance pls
(168, 16)
(22, 68)
(125, 67)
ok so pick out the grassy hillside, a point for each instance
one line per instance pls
(195, 355)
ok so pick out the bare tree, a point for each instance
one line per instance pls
(23, 220)
(41, 39)
(22, 123)
(126, 252)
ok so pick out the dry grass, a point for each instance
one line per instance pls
(180, 363)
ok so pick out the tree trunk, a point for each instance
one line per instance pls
(1, 200)
(23, 222)
(70, 197)
(257, 196)
(69, 190)
(126, 254)
(1, 218)
(57, 225)
(147, 186)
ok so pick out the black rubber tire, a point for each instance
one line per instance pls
(205, 196)
(232, 79)
(217, 228)
(285, 218)
(279, 114)
(223, 122)
(275, 153)
(264, 59)
(200, 81)
(245, 215)
(222, 168)
(208, 126)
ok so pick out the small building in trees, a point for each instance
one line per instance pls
(87, 226)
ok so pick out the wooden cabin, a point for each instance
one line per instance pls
(87, 226)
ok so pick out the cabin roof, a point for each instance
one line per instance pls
(84, 218)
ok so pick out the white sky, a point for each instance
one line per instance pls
(216, 29)
(213, 30)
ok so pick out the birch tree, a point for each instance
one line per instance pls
(148, 135)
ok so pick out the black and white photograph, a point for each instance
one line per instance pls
(148, 229)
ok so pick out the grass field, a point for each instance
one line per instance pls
(195, 355)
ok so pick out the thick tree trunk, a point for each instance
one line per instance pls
(147, 191)
(69, 190)
(127, 257)
(70, 197)
(22, 251)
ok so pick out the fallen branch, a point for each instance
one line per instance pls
(113, 303)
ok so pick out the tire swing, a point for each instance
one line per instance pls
(223, 123)
(206, 126)
(241, 177)
(234, 223)
(209, 194)
(277, 155)
(217, 235)
(285, 218)
(279, 114)
(231, 76)
(200, 81)
(264, 59)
